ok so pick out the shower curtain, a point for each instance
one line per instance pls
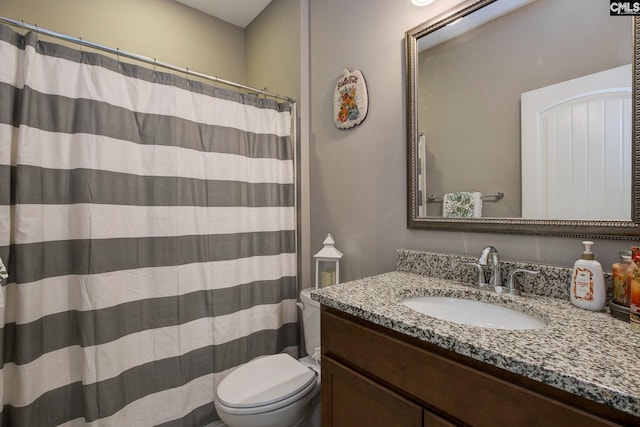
(148, 225)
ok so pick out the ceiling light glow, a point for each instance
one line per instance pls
(422, 2)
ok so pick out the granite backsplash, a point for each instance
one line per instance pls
(552, 281)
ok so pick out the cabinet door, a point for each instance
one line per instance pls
(349, 399)
(432, 420)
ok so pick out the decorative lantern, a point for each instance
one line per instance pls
(328, 264)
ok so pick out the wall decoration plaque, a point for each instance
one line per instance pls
(350, 100)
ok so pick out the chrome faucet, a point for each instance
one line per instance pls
(512, 284)
(480, 280)
(489, 253)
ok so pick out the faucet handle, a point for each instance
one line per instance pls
(511, 283)
(481, 280)
(489, 251)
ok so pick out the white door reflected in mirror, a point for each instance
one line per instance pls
(576, 148)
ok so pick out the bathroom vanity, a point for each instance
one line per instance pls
(384, 364)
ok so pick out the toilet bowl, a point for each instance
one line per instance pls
(274, 390)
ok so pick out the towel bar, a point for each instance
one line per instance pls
(487, 197)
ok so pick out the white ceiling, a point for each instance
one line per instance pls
(469, 22)
(236, 12)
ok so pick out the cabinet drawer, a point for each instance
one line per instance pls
(350, 399)
(460, 393)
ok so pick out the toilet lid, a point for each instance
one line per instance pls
(264, 381)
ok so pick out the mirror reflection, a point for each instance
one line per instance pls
(525, 112)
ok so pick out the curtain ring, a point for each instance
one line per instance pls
(118, 54)
(186, 73)
(154, 65)
(37, 33)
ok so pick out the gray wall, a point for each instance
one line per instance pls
(163, 29)
(358, 176)
(272, 49)
(477, 129)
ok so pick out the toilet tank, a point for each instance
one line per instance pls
(310, 321)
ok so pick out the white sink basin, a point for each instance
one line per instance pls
(472, 313)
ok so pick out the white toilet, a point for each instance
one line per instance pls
(275, 390)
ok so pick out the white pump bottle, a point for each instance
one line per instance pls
(587, 282)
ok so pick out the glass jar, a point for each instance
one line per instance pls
(622, 273)
(634, 299)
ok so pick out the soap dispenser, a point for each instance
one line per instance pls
(587, 281)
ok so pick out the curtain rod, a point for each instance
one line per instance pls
(141, 58)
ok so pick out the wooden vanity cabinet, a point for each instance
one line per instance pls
(354, 400)
(373, 376)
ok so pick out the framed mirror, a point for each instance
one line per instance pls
(523, 118)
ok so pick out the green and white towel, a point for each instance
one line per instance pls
(463, 204)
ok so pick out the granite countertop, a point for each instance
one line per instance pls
(590, 354)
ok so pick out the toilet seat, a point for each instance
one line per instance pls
(265, 384)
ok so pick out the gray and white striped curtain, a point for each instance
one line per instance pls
(148, 226)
